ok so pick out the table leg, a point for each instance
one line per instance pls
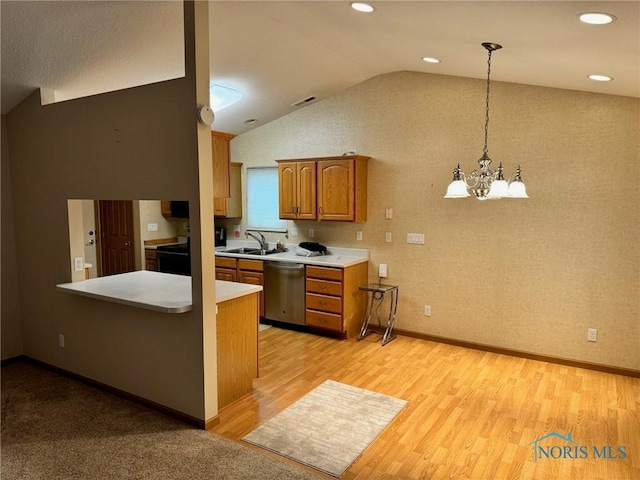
(365, 324)
(393, 307)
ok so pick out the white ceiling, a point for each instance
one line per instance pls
(279, 52)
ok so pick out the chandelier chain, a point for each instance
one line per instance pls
(486, 117)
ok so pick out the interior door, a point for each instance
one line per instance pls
(116, 237)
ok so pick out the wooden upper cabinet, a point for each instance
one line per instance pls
(297, 190)
(221, 164)
(336, 190)
(329, 188)
(231, 207)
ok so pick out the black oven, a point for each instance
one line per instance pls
(174, 259)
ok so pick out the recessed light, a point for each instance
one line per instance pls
(362, 7)
(596, 18)
(250, 121)
(601, 78)
(430, 60)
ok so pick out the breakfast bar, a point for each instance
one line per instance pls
(162, 292)
(236, 317)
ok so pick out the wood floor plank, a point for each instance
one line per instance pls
(470, 414)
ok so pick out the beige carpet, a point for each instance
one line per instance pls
(56, 428)
(328, 428)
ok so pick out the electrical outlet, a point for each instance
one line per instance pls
(311, 233)
(427, 310)
(592, 334)
(61, 341)
(294, 232)
(78, 264)
(388, 213)
(382, 270)
(387, 237)
(359, 235)
(152, 227)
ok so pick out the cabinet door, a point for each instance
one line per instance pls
(287, 188)
(336, 190)
(165, 208)
(306, 190)
(221, 158)
(220, 207)
(254, 278)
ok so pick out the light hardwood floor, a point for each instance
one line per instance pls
(471, 414)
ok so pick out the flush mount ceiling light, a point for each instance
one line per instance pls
(430, 60)
(596, 18)
(223, 97)
(362, 7)
(486, 184)
(600, 78)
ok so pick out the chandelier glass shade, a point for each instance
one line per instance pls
(485, 183)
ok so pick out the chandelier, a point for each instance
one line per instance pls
(485, 183)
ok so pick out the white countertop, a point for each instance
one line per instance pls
(162, 292)
(337, 257)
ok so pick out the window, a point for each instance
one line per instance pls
(262, 200)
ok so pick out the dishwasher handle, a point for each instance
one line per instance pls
(285, 265)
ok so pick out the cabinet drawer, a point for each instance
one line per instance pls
(323, 286)
(225, 262)
(324, 273)
(150, 254)
(324, 303)
(226, 274)
(324, 320)
(255, 265)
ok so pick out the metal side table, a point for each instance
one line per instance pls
(377, 292)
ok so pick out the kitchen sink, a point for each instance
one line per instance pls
(251, 251)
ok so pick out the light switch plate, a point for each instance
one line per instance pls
(416, 238)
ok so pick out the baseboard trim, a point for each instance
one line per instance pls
(10, 360)
(627, 372)
(212, 422)
(170, 412)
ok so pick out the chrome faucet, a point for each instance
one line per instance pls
(262, 241)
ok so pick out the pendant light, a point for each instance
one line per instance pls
(486, 184)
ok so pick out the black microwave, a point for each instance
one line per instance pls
(180, 209)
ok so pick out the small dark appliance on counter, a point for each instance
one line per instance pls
(221, 237)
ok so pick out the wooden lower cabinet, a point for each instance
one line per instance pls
(150, 259)
(244, 271)
(237, 347)
(334, 301)
(251, 271)
(226, 269)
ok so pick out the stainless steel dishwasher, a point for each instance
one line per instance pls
(284, 292)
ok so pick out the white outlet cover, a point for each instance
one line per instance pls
(359, 235)
(387, 237)
(78, 264)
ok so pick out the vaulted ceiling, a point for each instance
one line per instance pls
(276, 53)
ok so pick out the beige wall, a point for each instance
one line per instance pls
(140, 143)
(530, 275)
(10, 307)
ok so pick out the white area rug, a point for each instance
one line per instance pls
(328, 428)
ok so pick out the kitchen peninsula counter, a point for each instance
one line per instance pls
(161, 292)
